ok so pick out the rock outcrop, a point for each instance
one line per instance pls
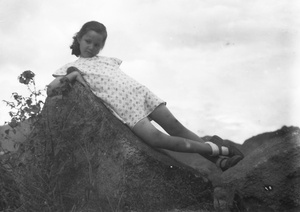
(81, 158)
(268, 179)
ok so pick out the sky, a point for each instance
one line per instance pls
(224, 67)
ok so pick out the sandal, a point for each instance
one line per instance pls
(226, 163)
(219, 148)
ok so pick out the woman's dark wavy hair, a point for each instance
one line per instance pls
(91, 25)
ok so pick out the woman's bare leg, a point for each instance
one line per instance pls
(172, 126)
(151, 135)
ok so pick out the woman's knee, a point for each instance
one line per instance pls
(167, 121)
(175, 128)
(148, 133)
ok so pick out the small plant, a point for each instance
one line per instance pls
(22, 107)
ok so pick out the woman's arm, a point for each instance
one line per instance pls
(60, 81)
(75, 75)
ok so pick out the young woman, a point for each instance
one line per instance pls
(134, 103)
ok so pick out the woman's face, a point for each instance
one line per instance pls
(90, 44)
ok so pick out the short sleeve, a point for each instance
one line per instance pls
(117, 62)
(110, 61)
(61, 71)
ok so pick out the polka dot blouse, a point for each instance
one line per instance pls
(127, 99)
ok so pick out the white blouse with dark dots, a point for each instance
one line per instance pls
(129, 100)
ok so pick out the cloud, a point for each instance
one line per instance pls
(220, 65)
(15, 13)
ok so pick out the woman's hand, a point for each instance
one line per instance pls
(77, 76)
(74, 74)
(63, 81)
